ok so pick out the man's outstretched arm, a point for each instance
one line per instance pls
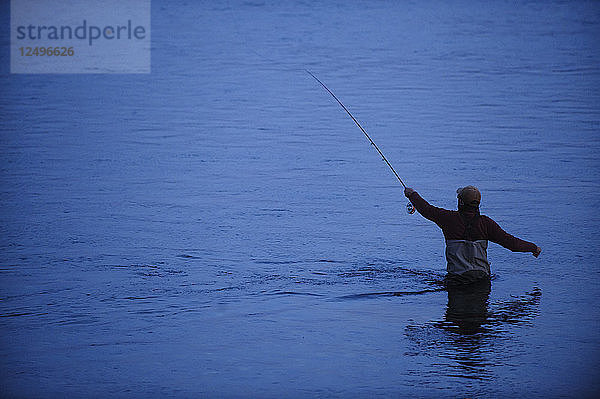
(427, 210)
(499, 236)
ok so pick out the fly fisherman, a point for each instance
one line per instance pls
(467, 234)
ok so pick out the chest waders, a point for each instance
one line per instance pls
(467, 257)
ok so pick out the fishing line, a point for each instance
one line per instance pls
(409, 207)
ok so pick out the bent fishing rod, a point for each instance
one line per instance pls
(409, 207)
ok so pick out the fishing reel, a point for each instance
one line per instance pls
(410, 208)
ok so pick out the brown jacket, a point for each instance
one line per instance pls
(454, 227)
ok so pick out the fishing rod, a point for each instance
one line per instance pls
(409, 207)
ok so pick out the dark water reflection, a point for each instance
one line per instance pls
(473, 336)
(467, 308)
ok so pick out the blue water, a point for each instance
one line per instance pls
(211, 229)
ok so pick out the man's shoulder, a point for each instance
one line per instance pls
(449, 213)
(487, 220)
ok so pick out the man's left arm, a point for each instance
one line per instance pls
(508, 241)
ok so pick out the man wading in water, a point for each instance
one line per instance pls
(467, 234)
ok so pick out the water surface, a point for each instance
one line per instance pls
(221, 228)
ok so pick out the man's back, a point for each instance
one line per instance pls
(454, 226)
(467, 234)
